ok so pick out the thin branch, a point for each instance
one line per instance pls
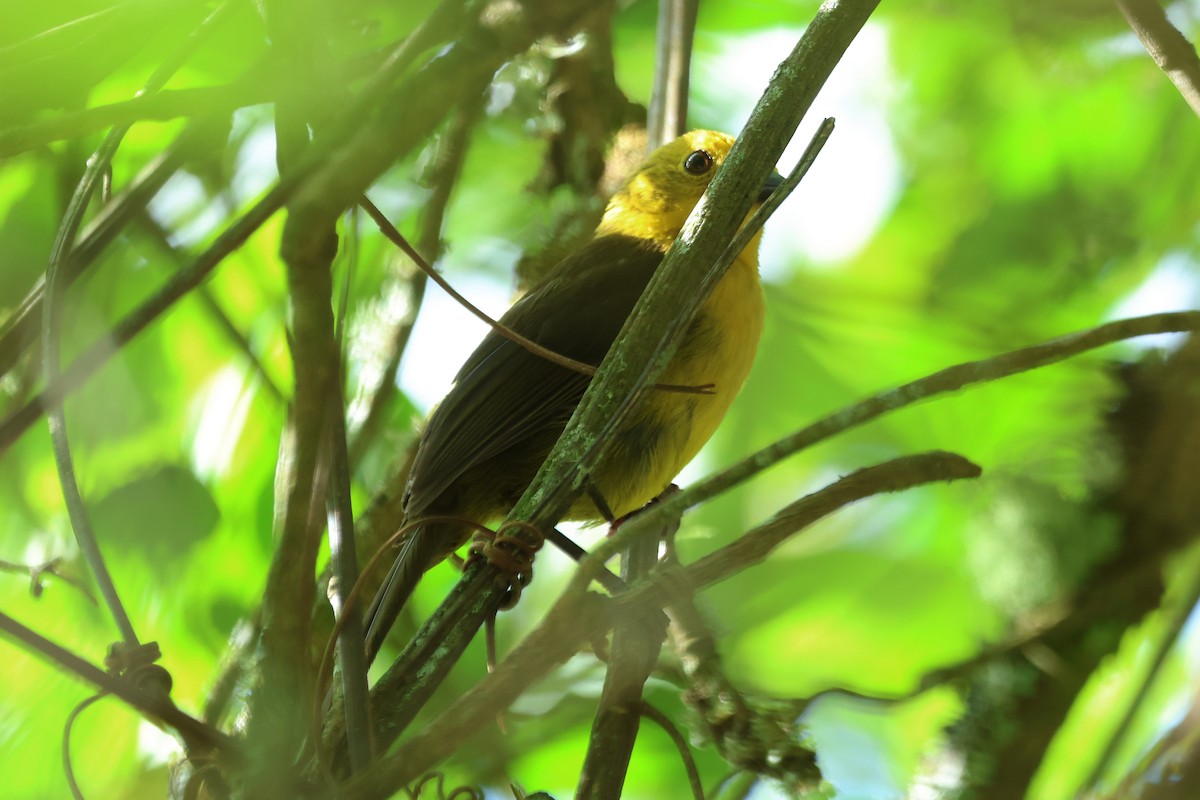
(351, 656)
(397, 238)
(636, 642)
(676, 27)
(152, 705)
(1171, 51)
(580, 616)
(386, 549)
(232, 667)
(554, 641)
(210, 303)
(685, 755)
(951, 379)
(309, 246)
(815, 145)
(68, 770)
(748, 737)
(1051, 624)
(258, 85)
(60, 253)
(1173, 754)
(443, 173)
(276, 721)
(19, 328)
(108, 345)
(892, 476)
(390, 118)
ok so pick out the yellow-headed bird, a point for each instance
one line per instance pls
(485, 441)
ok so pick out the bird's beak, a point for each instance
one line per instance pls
(774, 181)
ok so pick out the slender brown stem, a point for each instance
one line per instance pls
(951, 379)
(397, 238)
(673, 733)
(443, 173)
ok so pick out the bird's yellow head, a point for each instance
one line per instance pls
(656, 200)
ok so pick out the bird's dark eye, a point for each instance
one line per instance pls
(698, 162)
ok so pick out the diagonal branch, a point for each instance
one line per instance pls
(643, 348)
(1173, 54)
(951, 379)
(155, 705)
(580, 616)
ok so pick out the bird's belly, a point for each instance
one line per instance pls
(668, 429)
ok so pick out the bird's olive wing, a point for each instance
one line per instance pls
(505, 396)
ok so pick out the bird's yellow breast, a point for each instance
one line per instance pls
(668, 428)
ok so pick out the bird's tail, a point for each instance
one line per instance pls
(417, 554)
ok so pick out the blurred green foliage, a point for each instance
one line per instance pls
(1045, 173)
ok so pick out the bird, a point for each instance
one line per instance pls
(484, 442)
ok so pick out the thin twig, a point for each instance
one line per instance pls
(737, 728)
(951, 379)
(229, 672)
(60, 253)
(400, 114)
(685, 754)
(667, 114)
(784, 190)
(443, 173)
(191, 102)
(154, 706)
(81, 526)
(108, 345)
(351, 656)
(277, 723)
(350, 604)
(68, 770)
(1173, 53)
(397, 238)
(19, 328)
(893, 476)
(210, 303)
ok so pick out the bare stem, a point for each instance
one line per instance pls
(667, 115)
